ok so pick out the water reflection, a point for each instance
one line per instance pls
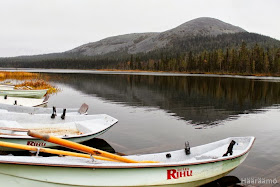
(200, 100)
(227, 181)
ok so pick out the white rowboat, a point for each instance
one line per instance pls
(204, 164)
(76, 128)
(21, 101)
(42, 110)
(23, 93)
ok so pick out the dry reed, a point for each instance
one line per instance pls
(17, 75)
(38, 85)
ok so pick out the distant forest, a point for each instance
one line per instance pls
(248, 54)
(243, 60)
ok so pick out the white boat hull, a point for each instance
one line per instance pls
(84, 172)
(26, 175)
(41, 143)
(89, 126)
(24, 93)
(20, 101)
(35, 110)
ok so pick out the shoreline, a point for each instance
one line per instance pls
(143, 72)
(178, 72)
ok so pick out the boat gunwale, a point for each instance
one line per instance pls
(137, 165)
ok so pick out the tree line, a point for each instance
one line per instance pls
(242, 60)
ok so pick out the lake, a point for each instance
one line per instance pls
(159, 112)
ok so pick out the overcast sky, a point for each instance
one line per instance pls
(44, 26)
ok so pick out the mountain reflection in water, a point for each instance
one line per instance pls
(202, 101)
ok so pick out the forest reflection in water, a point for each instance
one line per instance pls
(201, 101)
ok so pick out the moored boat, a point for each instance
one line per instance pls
(21, 101)
(23, 93)
(204, 164)
(42, 110)
(77, 128)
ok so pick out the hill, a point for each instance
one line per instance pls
(146, 42)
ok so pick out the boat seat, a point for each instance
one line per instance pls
(82, 128)
(206, 157)
(87, 126)
(213, 154)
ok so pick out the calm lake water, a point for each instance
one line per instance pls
(159, 113)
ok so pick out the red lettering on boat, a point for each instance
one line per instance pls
(179, 173)
(171, 173)
(37, 144)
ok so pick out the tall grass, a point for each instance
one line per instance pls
(37, 84)
(32, 81)
(17, 75)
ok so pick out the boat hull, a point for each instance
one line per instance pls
(35, 110)
(74, 127)
(16, 174)
(24, 93)
(20, 101)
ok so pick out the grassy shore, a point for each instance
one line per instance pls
(38, 85)
(17, 75)
(32, 82)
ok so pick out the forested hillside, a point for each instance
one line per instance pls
(228, 49)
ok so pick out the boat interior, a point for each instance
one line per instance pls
(212, 152)
(71, 125)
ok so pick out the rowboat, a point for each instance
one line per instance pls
(77, 128)
(21, 101)
(23, 93)
(201, 165)
(42, 110)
